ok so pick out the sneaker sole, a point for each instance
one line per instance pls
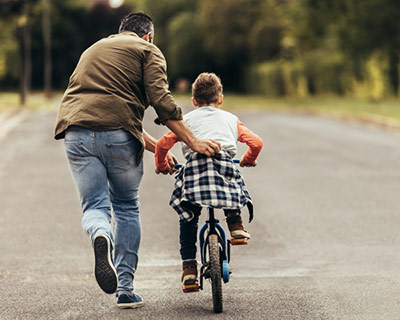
(104, 271)
(132, 305)
(189, 279)
(237, 234)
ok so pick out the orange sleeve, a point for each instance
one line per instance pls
(254, 142)
(162, 147)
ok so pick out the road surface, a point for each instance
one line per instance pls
(325, 239)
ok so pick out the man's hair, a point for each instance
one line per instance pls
(207, 88)
(139, 23)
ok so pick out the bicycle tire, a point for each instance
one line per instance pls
(215, 272)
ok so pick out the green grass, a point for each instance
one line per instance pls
(34, 101)
(384, 112)
(366, 110)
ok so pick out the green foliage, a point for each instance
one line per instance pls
(162, 12)
(362, 28)
(227, 26)
(185, 54)
(329, 74)
(8, 47)
(265, 78)
(274, 47)
(300, 78)
(75, 25)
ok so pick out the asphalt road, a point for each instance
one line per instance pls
(325, 239)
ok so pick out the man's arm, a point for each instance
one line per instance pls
(150, 142)
(207, 147)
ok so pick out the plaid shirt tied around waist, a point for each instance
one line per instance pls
(209, 182)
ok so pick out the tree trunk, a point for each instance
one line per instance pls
(394, 59)
(28, 60)
(47, 47)
(23, 48)
(22, 74)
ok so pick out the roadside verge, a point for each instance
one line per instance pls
(9, 119)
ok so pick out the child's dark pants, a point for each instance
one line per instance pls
(188, 230)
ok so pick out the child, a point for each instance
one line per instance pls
(210, 182)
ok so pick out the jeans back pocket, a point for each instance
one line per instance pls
(122, 155)
(76, 155)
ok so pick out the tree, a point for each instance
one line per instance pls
(227, 26)
(162, 13)
(15, 14)
(361, 27)
(185, 54)
(46, 26)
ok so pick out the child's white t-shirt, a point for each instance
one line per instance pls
(209, 122)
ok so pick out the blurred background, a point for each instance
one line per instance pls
(326, 54)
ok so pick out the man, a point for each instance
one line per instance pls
(100, 117)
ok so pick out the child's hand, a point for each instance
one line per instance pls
(158, 171)
(244, 163)
(169, 167)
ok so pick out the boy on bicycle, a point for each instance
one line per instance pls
(208, 182)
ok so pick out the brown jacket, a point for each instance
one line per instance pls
(115, 80)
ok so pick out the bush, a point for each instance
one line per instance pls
(374, 84)
(317, 75)
(329, 74)
(265, 78)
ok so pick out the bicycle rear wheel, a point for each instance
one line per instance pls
(215, 272)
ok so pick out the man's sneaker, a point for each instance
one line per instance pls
(132, 301)
(189, 276)
(104, 271)
(236, 228)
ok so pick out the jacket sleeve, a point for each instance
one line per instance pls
(156, 86)
(162, 147)
(253, 141)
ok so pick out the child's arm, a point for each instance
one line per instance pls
(151, 146)
(254, 142)
(162, 147)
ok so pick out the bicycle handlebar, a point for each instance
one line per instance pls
(180, 165)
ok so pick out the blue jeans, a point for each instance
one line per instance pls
(106, 176)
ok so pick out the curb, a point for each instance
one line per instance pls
(9, 119)
(365, 119)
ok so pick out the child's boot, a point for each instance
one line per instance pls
(236, 228)
(189, 276)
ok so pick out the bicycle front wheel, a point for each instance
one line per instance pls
(215, 272)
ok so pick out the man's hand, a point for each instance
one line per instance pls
(170, 169)
(172, 161)
(207, 147)
(243, 163)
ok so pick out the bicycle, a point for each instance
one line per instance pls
(215, 256)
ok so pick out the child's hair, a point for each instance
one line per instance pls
(207, 88)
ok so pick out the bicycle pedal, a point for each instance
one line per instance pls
(191, 288)
(239, 241)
